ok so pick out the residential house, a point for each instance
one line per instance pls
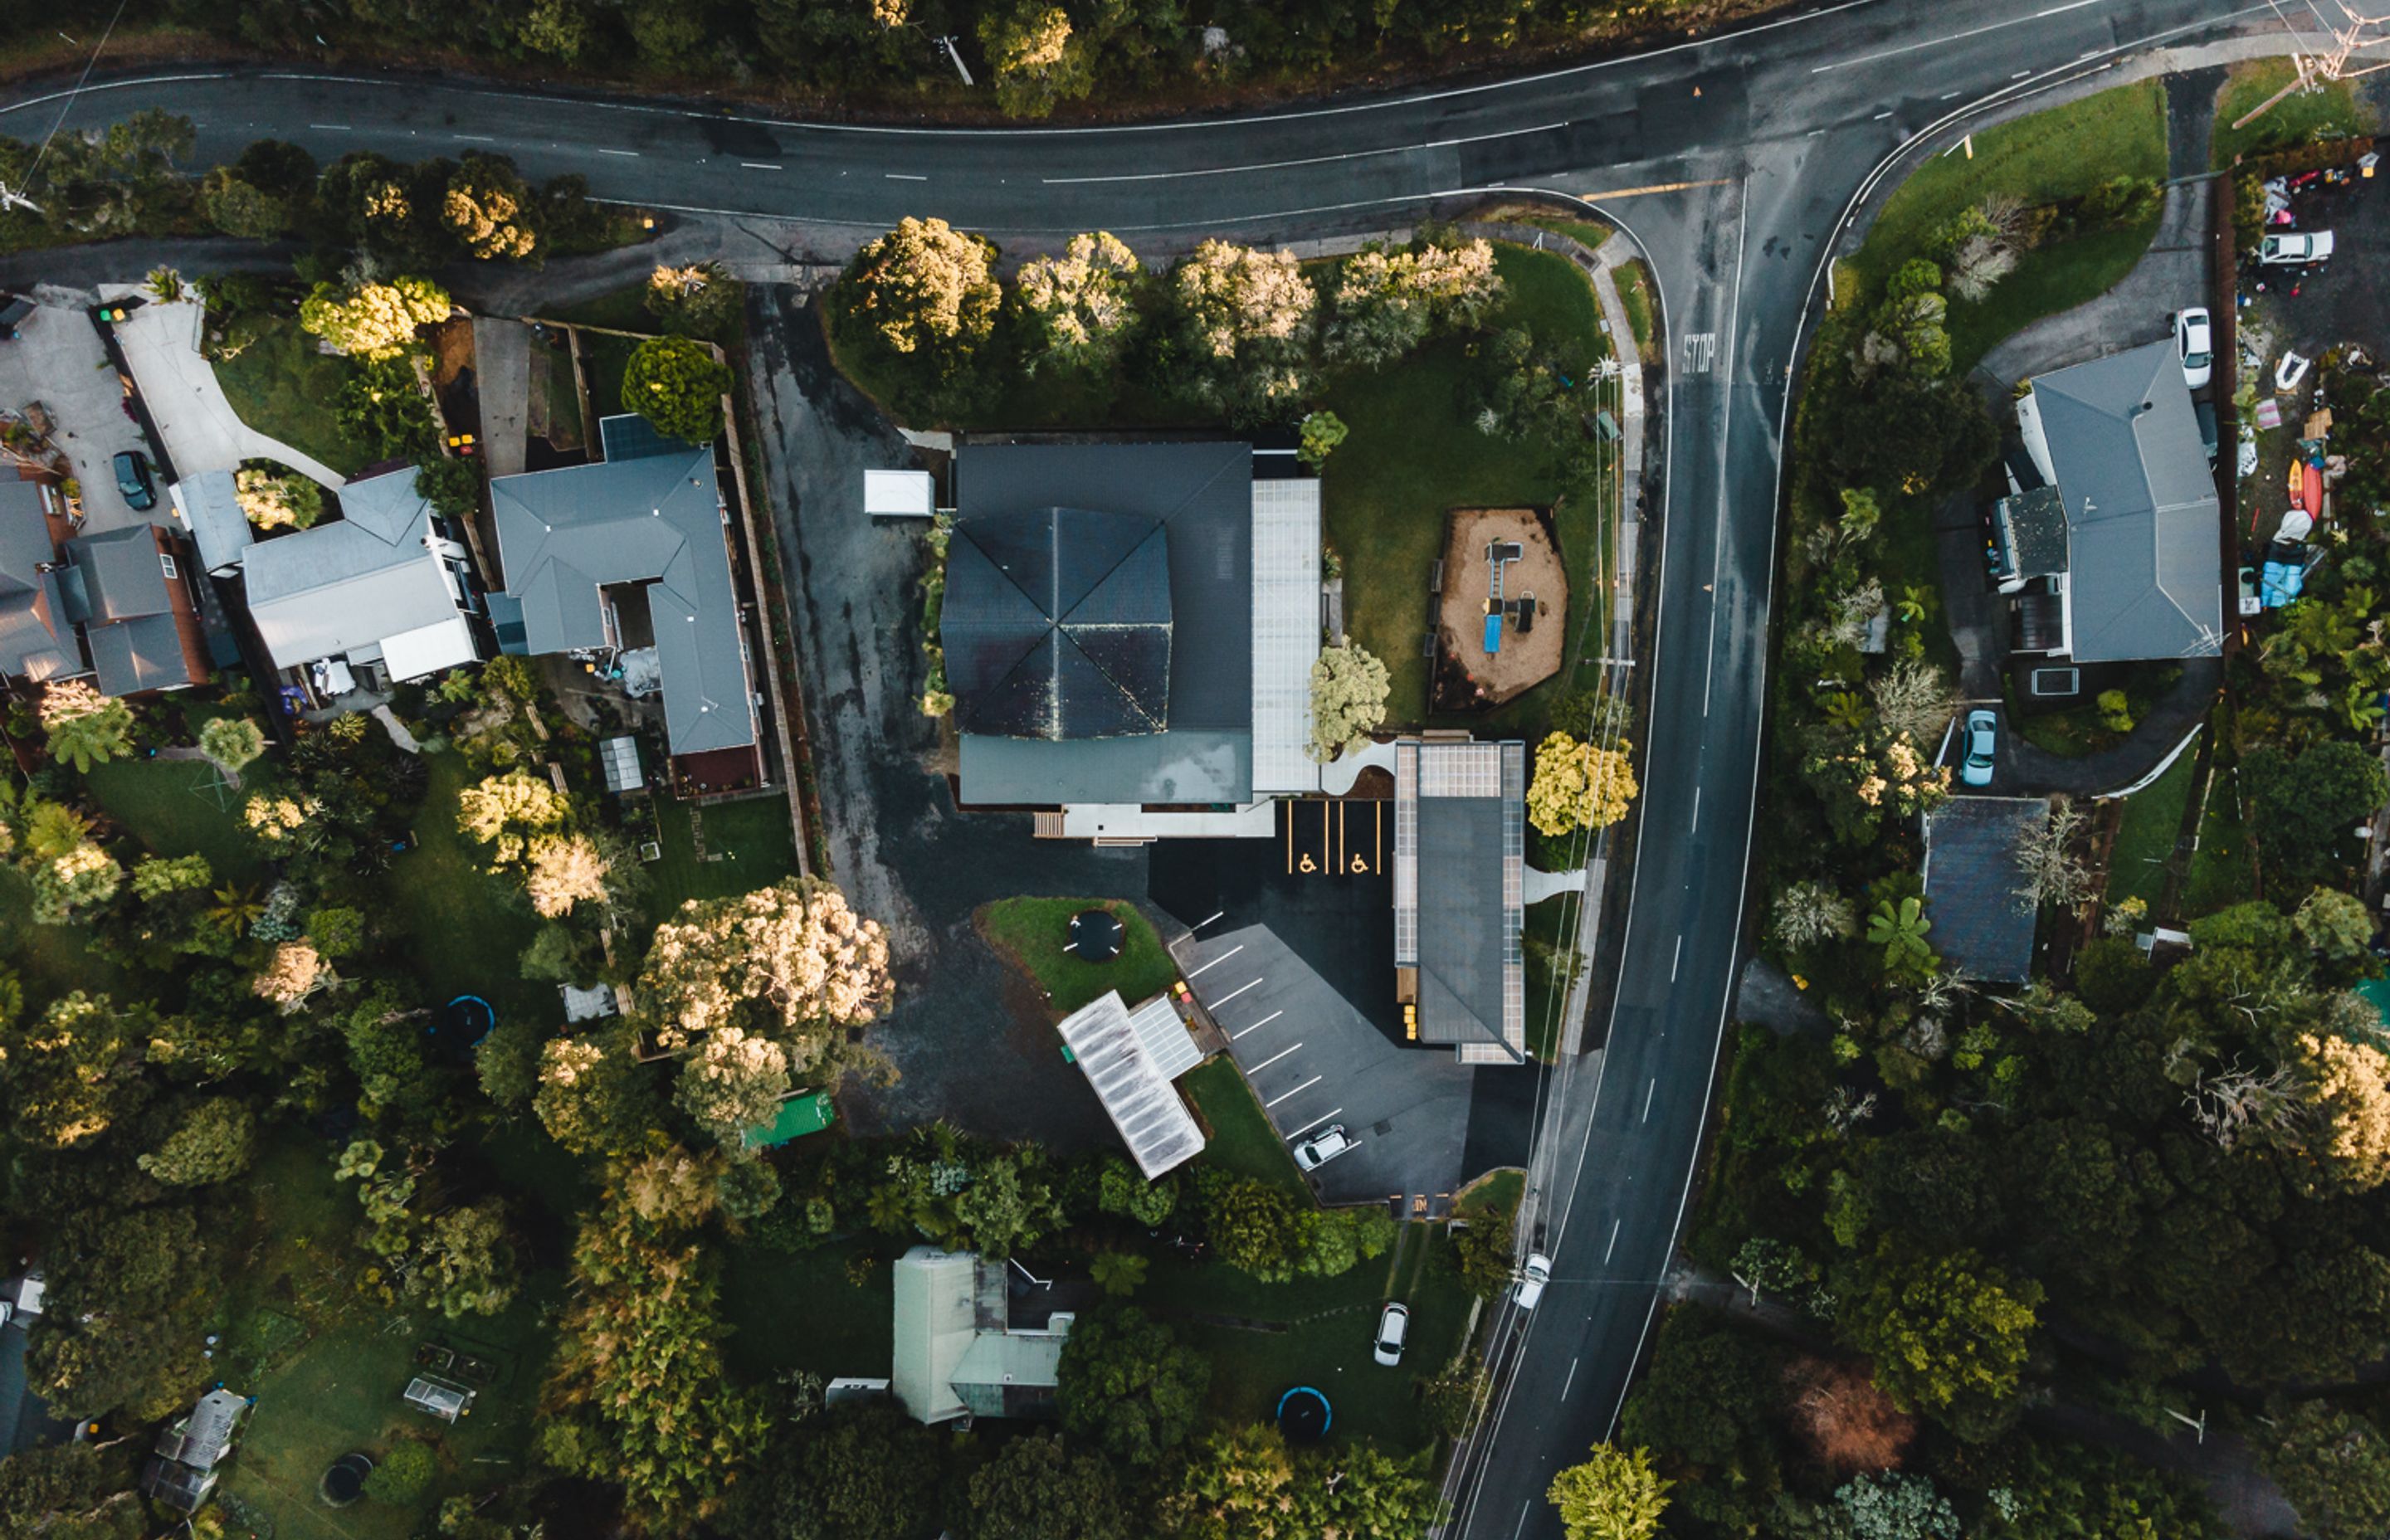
(117, 608)
(959, 1350)
(1975, 885)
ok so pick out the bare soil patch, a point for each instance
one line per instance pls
(1471, 678)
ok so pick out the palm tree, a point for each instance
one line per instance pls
(1900, 931)
(85, 726)
(235, 910)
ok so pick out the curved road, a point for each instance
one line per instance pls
(1734, 160)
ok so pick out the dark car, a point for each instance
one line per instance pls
(132, 480)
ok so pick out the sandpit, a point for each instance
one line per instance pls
(1469, 676)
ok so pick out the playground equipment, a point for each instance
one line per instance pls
(1499, 554)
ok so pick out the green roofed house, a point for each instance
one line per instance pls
(801, 1113)
(959, 1354)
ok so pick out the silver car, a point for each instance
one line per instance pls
(1983, 743)
(1532, 1278)
(1323, 1146)
(1393, 1325)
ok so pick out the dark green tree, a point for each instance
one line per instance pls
(1128, 1386)
(1038, 1489)
(678, 385)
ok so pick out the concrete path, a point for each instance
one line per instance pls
(1542, 885)
(397, 729)
(502, 374)
(200, 429)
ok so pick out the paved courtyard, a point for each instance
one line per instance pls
(57, 360)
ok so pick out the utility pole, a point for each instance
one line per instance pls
(11, 199)
(2331, 64)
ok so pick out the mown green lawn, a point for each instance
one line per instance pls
(2049, 279)
(282, 387)
(467, 927)
(1033, 932)
(2329, 112)
(2145, 841)
(801, 1312)
(751, 838)
(1552, 922)
(2224, 869)
(1241, 1139)
(177, 807)
(1635, 298)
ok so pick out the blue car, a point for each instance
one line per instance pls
(133, 480)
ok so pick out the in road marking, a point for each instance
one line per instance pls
(762, 165)
(1222, 956)
(332, 128)
(1304, 1086)
(1677, 960)
(626, 154)
(1697, 809)
(900, 176)
(1613, 1242)
(1879, 116)
(1270, 1060)
(1312, 1124)
(1649, 1091)
(1232, 994)
(1522, 1518)
(1570, 1380)
(479, 139)
(1654, 188)
(1258, 1025)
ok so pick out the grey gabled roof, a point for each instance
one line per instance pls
(116, 576)
(353, 583)
(1981, 926)
(1459, 853)
(658, 520)
(143, 653)
(2145, 579)
(36, 642)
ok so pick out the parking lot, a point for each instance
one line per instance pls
(1293, 957)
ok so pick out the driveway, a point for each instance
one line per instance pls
(57, 360)
(198, 425)
(502, 377)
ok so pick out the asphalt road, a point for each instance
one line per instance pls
(1733, 159)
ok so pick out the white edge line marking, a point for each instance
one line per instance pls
(903, 177)
(1312, 1124)
(1677, 959)
(1256, 1026)
(1222, 958)
(762, 165)
(625, 154)
(1270, 1060)
(1232, 994)
(478, 138)
(1304, 1086)
(1301, 160)
(1649, 1091)
(1953, 37)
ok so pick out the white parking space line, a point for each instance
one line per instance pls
(1258, 1025)
(1312, 1124)
(1221, 958)
(1270, 1060)
(1304, 1086)
(625, 154)
(762, 165)
(1232, 994)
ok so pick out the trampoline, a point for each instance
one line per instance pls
(1096, 935)
(344, 1480)
(463, 1022)
(1304, 1415)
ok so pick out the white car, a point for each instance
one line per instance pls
(1532, 1278)
(1393, 1327)
(2296, 249)
(1323, 1146)
(2194, 341)
(1983, 742)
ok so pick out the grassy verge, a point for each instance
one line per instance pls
(2145, 841)
(1635, 297)
(283, 388)
(1241, 1138)
(2048, 280)
(1551, 926)
(170, 806)
(607, 358)
(1414, 453)
(2330, 112)
(1498, 1192)
(1032, 932)
(751, 836)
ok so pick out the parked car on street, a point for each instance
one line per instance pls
(2296, 248)
(1323, 1146)
(2194, 341)
(1532, 1278)
(133, 480)
(1393, 1324)
(1983, 743)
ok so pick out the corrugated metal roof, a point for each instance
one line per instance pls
(2144, 577)
(935, 1322)
(353, 584)
(120, 578)
(428, 649)
(1132, 1083)
(1285, 632)
(209, 506)
(1981, 926)
(1459, 889)
(35, 640)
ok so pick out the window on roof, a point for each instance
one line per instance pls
(168, 562)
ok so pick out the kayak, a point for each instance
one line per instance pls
(2298, 481)
(2311, 491)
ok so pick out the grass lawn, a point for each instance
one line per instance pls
(468, 926)
(752, 836)
(2223, 867)
(800, 1313)
(1635, 297)
(1549, 923)
(1318, 1333)
(1414, 454)
(607, 358)
(1031, 932)
(1584, 234)
(2305, 117)
(2145, 841)
(52, 960)
(1241, 1138)
(169, 806)
(2049, 279)
(281, 386)
(1497, 1193)
(2061, 153)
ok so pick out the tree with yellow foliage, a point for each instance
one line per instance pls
(1579, 785)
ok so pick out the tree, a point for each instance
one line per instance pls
(1615, 1496)
(2306, 804)
(239, 208)
(1389, 301)
(791, 962)
(1128, 1386)
(508, 810)
(279, 500)
(336, 930)
(696, 299)
(2048, 869)
(1579, 786)
(856, 1472)
(157, 876)
(1900, 929)
(2336, 924)
(374, 320)
(1948, 1332)
(1348, 700)
(232, 742)
(563, 870)
(1081, 306)
(1485, 1252)
(2350, 1087)
(85, 726)
(1247, 318)
(82, 878)
(1118, 1274)
(132, 1293)
(924, 286)
(1897, 1505)
(733, 1082)
(400, 1477)
(295, 971)
(590, 1098)
(1321, 432)
(2334, 1467)
(69, 1491)
(1038, 59)
(678, 385)
(214, 1142)
(1914, 702)
(453, 487)
(71, 1072)
(1255, 1228)
(1806, 913)
(1038, 1489)
(488, 209)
